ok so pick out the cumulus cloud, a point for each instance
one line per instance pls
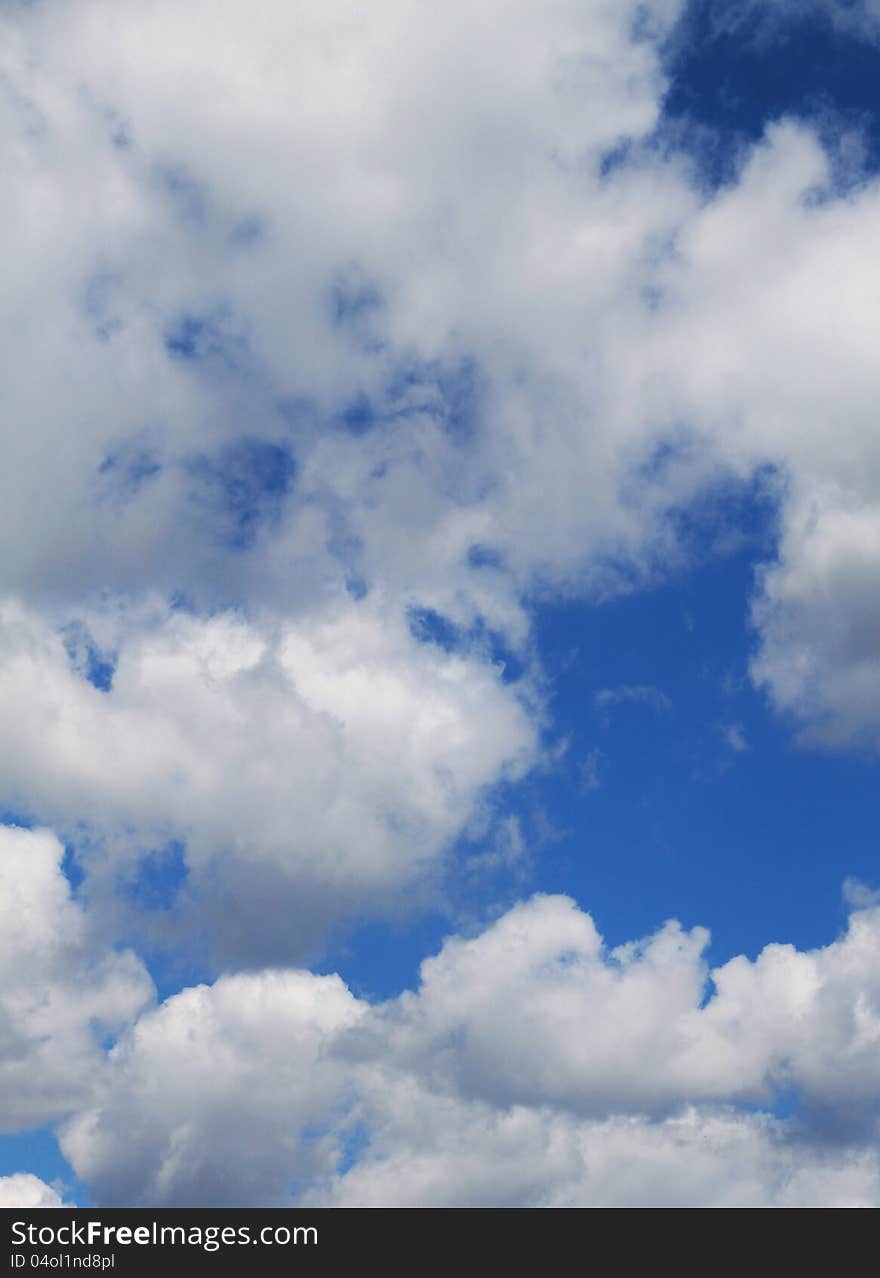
(367, 306)
(61, 990)
(532, 1066)
(274, 408)
(768, 325)
(372, 278)
(461, 1155)
(319, 324)
(288, 357)
(224, 1091)
(311, 770)
(25, 1190)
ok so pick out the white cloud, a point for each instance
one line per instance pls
(60, 988)
(586, 1021)
(376, 215)
(24, 1190)
(313, 770)
(433, 160)
(438, 1153)
(225, 1092)
(403, 218)
(532, 1066)
(328, 762)
(819, 615)
(766, 334)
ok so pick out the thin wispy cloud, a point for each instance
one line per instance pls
(633, 694)
(734, 735)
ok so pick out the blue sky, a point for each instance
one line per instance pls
(444, 528)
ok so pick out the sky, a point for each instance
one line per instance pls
(439, 608)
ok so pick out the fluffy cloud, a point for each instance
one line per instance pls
(766, 327)
(442, 1154)
(224, 1092)
(399, 253)
(311, 770)
(25, 1190)
(819, 615)
(367, 307)
(300, 258)
(531, 1066)
(586, 1020)
(266, 388)
(62, 991)
(320, 325)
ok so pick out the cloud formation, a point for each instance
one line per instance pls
(531, 1066)
(367, 307)
(61, 990)
(25, 1190)
(312, 771)
(334, 343)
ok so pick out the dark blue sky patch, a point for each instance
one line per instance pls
(729, 511)
(160, 878)
(357, 588)
(354, 1143)
(87, 659)
(38, 1152)
(244, 489)
(740, 832)
(378, 960)
(786, 1102)
(429, 626)
(12, 816)
(72, 870)
(735, 67)
(731, 515)
(502, 656)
